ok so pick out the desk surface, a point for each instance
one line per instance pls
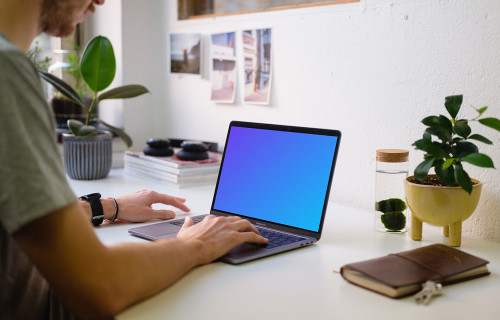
(301, 284)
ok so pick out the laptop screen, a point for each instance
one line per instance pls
(276, 175)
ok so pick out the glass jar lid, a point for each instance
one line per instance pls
(392, 155)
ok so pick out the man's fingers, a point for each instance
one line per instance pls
(188, 222)
(245, 225)
(170, 200)
(163, 214)
(252, 237)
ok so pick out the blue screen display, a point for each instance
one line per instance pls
(276, 176)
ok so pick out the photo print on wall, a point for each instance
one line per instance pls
(257, 63)
(224, 72)
(185, 53)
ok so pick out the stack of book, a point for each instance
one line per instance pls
(172, 170)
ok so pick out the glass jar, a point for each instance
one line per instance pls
(390, 205)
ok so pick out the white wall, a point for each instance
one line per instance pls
(372, 69)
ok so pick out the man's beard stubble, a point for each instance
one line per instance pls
(57, 17)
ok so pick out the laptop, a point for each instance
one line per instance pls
(278, 177)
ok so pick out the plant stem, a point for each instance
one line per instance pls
(91, 109)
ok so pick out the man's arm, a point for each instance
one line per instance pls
(94, 281)
(136, 207)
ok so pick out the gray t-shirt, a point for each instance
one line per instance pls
(32, 182)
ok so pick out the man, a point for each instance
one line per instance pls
(46, 238)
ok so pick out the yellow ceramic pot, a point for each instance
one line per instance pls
(440, 206)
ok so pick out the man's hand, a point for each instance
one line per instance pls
(220, 234)
(136, 207)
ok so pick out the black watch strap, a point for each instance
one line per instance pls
(95, 204)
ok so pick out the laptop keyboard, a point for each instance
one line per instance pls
(275, 238)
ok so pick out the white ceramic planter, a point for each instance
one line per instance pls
(88, 158)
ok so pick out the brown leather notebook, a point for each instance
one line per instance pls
(402, 274)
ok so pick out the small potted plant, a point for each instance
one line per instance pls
(87, 150)
(449, 196)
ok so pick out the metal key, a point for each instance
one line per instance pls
(429, 289)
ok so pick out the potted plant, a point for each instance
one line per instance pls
(449, 196)
(87, 150)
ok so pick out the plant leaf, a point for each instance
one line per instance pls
(463, 179)
(479, 159)
(491, 122)
(482, 110)
(74, 126)
(481, 138)
(127, 91)
(440, 132)
(439, 122)
(125, 137)
(453, 104)
(98, 64)
(464, 148)
(63, 87)
(423, 168)
(86, 131)
(445, 172)
(462, 128)
(448, 163)
(433, 148)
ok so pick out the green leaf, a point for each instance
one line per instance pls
(423, 168)
(63, 87)
(453, 104)
(463, 179)
(125, 137)
(98, 65)
(433, 148)
(448, 163)
(464, 148)
(482, 110)
(427, 136)
(462, 128)
(432, 121)
(479, 159)
(491, 122)
(439, 122)
(445, 172)
(440, 132)
(74, 126)
(128, 91)
(86, 131)
(481, 138)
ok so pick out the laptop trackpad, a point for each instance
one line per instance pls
(245, 250)
(157, 231)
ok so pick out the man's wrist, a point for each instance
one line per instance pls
(108, 207)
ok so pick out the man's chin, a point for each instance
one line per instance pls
(61, 31)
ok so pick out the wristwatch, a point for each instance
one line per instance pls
(95, 204)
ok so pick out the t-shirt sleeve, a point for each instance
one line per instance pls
(32, 178)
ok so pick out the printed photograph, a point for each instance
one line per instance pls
(185, 53)
(257, 56)
(224, 72)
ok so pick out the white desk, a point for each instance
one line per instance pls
(300, 284)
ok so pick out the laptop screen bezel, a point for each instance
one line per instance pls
(284, 128)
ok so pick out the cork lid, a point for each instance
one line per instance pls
(392, 155)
